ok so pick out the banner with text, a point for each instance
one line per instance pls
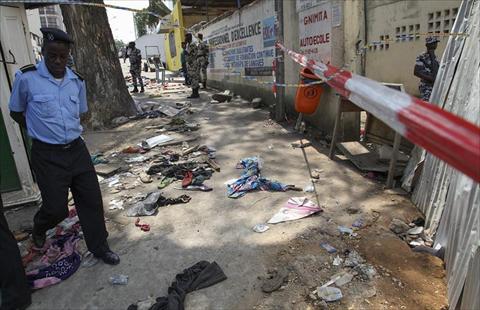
(244, 42)
(307, 4)
(315, 27)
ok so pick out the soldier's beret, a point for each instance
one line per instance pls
(55, 35)
(431, 39)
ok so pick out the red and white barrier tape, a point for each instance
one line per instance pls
(445, 135)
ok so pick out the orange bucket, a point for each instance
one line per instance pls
(308, 97)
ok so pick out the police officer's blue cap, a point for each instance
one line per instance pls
(55, 35)
(431, 40)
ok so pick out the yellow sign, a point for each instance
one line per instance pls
(174, 38)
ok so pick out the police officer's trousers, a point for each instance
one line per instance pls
(14, 290)
(203, 64)
(58, 168)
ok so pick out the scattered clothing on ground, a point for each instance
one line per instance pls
(295, 208)
(152, 202)
(99, 159)
(59, 258)
(251, 180)
(201, 275)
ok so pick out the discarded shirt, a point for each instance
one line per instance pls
(295, 208)
(252, 180)
(201, 275)
(152, 202)
(66, 262)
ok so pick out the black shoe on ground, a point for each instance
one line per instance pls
(194, 94)
(38, 239)
(108, 257)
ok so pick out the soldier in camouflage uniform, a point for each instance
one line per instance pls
(135, 57)
(191, 54)
(203, 59)
(426, 68)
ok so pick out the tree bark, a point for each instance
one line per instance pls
(96, 59)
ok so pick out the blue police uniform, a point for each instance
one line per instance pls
(59, 157)
(52, 108)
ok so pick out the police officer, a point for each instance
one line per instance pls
(48, 99)
(14, 290)
(203, 52)
(191, 55)
(135, 57)
(426, 68)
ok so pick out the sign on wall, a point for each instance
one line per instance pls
(308, 4)
(243, 43)
(315, 27)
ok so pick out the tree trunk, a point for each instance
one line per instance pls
(97, 61)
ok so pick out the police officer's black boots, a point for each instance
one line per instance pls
(194, 93)
(38, 238)
(135, 89)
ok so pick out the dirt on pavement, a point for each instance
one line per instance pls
(217, 228)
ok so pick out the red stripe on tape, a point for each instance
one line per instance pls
(340, 78)
(445, 135)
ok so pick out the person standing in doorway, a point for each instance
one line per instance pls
(203, 52)
(47, 100)
(426, 68)
(135, 57)
(191, 55)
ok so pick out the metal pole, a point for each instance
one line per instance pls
(280, 70)
(206, 10)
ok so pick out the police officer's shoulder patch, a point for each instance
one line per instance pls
(27, 68)
(79, 75)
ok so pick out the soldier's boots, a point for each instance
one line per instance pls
(142, 90)
(205, 84)
(194, 94)
(135, 89)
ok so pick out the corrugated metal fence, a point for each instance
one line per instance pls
(449, 199)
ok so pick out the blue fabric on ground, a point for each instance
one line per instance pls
(251, 180)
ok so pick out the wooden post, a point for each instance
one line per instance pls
(336, 128)
(393, 160)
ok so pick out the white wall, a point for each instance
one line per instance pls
(389, 21)
(33, 18)
(151, 40)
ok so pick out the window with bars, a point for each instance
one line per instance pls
(52, 21)
(43, 21)
(50, 10)
(441, 21)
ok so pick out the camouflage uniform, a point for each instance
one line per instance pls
(428, 66)
(135, 58)
(203, 61)
(191, 54)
